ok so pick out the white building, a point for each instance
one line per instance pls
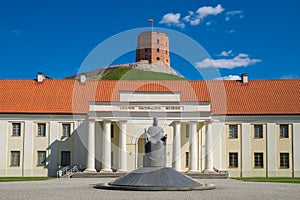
(248, 128)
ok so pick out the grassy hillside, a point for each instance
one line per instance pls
(134, 74)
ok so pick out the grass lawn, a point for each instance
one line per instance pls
(275, 180)
(11, 179)
(134, 74)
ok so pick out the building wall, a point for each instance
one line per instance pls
(270, 145)
(246, 145)
(154, 47)
(29, 143)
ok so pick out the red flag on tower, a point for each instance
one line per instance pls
(150, 21)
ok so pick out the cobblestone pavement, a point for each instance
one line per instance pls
(83, 189)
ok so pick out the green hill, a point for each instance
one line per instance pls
(134, 74)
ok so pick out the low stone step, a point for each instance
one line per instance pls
(117, 174)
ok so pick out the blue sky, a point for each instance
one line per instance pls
(260, 38)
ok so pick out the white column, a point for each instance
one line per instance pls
(271, 150)
(193, 146)
(122, 147)
(246, 149)
(28, 149)
(91, 148)
(176, 146)
(296, 150)
(209, 161)
(106, 160)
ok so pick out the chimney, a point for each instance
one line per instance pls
(82, 78)
(244, 78)
(40, 77)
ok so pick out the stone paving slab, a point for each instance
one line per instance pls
(83, 189)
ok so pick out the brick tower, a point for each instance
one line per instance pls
(154, 47)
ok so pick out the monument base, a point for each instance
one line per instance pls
(155, 179)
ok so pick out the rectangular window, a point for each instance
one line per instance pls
(112, 131)
(233, 160)
(16, 129)
(187, 155)
(41, 130)
(187, 131)
(15, 158)
(41, 158)
(65, 158)
(66, 130)
(112, 159)
(284, 131)
(258, 160)
(258, 131)
(284, 160)
(233, 131)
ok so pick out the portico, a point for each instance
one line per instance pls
(130, 120)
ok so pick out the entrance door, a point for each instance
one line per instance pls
(65, 158)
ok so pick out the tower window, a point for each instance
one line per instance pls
(145, 50)
(157, 50)
(157, 41)
(157, 58)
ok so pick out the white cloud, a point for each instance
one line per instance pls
(193, 18)
(231, 31)
(208, 23)
(172, 19)
(288, 77)
(195, 22)
(225, 53)
(233, 13)
(208, 10)
(230, 77)
(241, 60)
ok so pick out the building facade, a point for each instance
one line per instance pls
(248, 128)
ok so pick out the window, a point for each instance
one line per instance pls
(41, 130)
(258, 160)
(16, 129)
(187, 155)
(112, 158)
(157, 58)
(41, 158)
(66, 130)
(65, 158)
(112, 131)
(233, 160)
(187, 131)
(284, 131)
(157, 50)
(145, 50)
(15, 158)
(284, 160)
(233, 131)
(258, 131)
(157, 41)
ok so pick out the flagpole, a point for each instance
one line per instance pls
(151, 22)
(152, 26)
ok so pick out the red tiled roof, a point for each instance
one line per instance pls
(226, 97)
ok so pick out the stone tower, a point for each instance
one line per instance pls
(154, 47)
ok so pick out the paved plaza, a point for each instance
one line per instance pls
(83, 189)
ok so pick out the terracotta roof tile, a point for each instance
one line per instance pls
(226, 97)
